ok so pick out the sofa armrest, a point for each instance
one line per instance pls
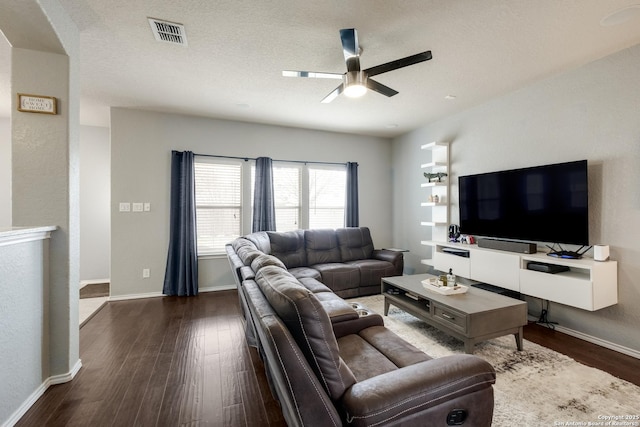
(394, 257)
(402, 393)
(354, 326)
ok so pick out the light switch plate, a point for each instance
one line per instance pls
(137, 207)
(147, 207)
(125, 207)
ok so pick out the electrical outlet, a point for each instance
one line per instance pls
(145, 273)
(125, 207)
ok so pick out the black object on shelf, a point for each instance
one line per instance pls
(546, 268)
(497, 290)
(456, 251)
(568, 254)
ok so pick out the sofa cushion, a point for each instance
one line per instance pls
(339, 276)
(289, 247)
(313, 285)
(265, 260)
(322, 246)
(364, 360)
(261, 240)
(309, 325)
(372, 271)
(241, 242)
(305, 272)
(354, 243)
(246, 250)
(396, 349)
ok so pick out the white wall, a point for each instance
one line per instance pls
(141, 144)
(95, 197)
(589, 113)
(5, 171)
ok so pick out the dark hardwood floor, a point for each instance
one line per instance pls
(163, 362)
(617, 364)
(184, 362)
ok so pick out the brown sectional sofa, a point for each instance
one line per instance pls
(330, 363)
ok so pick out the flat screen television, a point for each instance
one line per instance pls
(537, 204)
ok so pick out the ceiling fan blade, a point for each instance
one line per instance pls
(399, 63)
(312, 74)
(350, 48)
(334, 94)
(380, 88)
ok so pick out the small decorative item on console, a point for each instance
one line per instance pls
(465, 238)
(438, 175)
(434, 284)
(454, 233)
(451, 278)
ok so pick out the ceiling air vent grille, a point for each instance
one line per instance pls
(168, 32)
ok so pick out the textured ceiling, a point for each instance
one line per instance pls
(237, 50)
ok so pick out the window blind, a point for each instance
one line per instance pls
(218, 204)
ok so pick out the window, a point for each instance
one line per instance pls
(306, 196)
(218, 203)
(327, 187)
(286, 189)
(286, 194)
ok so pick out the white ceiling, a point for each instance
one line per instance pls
(237, 50)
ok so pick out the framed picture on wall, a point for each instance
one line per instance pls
(36, 104)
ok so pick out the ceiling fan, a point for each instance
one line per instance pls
(356, 81)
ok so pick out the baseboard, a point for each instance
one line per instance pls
(33, 398)
(84, 283)
(599, 341)
(160, 294)
(135, 296)
(218, 288)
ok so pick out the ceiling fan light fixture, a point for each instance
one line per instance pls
(355, 84)
(355, 91)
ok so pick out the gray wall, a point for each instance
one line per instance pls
(5, 172)
(95, 197)
(95, 236)
(589, 113)
(141, 143)
(24, 335)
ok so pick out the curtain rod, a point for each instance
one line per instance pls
(246, 159)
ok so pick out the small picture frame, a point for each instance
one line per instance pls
(37, 104)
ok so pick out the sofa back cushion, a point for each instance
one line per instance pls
(263, 260)
(246, 250)
(261, 240)
(355, 243)
(309, 325)
(322, 246)
(289, 247)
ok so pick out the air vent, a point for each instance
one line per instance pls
(168, 32)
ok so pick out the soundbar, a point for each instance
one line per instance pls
(508, 245)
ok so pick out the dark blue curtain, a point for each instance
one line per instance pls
(181, 274)
(352, 212)
(264, 210)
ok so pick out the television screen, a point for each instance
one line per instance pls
(537, 204)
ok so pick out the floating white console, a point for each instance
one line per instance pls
(588, 284)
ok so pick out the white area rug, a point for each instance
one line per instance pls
(534, 387)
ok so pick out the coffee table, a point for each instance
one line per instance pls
(472, 317)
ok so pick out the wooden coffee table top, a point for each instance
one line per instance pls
(474, 316)
(473, 301)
